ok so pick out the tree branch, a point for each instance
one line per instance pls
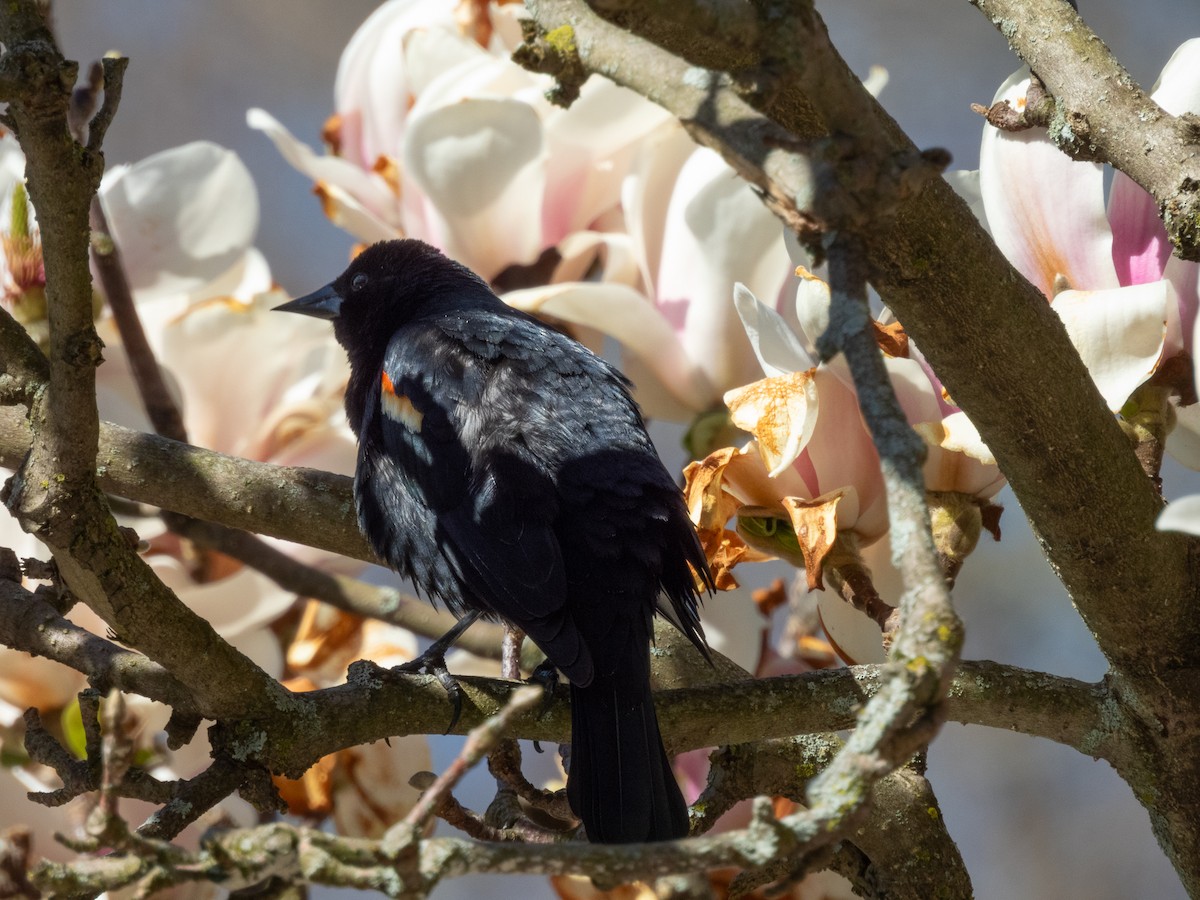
(31, 624)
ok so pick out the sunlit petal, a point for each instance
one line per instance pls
(778, 349)
(812, 308)
(373, 87)
(477, 162)
(841, 454)
(182, 218)
(958, 459)
(357, 199)
(590, 149)
(1181, 515)
(1119, 334)
(781, 413)
(1046, 211)
(717, 232)
(1140, 244)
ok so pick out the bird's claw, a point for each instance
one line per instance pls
(545, 676)
(433, 662)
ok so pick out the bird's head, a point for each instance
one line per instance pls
(386, 286)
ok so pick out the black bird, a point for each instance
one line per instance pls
(506, 470)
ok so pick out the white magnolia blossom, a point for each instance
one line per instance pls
(1127, 303)
(813, 458)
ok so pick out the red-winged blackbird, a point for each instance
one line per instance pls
(505, 469)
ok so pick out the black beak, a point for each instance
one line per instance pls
(323, 303)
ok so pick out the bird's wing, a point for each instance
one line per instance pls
(463, 455)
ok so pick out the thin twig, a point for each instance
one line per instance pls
(479, 743)
(160, 406)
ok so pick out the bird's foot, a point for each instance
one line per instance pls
(544, 676)
(433, 662)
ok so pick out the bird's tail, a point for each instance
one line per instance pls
(620, 783)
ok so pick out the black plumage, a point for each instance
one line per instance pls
(505, 468)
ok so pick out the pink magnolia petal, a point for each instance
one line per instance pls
(1185, 278)
(117, 396)
(856, 637)
(372, 792)
(917, 396)
(842, 455)
(1119, 334)
(812, 308)
(1140, 245)
(717, 233)
(746, 479)
(856, 634)
(611, 253)
(1178, 87)
(1046, 211)
(624, 314)
(591, 147)
(781, 413)
(356, 199)
(958, 458)
(734, 626)
(373, 90)
(646, 193)
(223, 408)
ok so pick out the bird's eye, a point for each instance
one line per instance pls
(359, 282)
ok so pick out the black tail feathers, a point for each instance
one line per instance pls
(620, 783)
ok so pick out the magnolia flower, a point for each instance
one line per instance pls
(249, 383)
(695, 228)
(442, 137)
(809, 487)
(1127, 304)
(439, 138)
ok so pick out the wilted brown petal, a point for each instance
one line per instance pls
(780, 412)
(891, 338)
(815, 524)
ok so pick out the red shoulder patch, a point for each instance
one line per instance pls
(398, 407)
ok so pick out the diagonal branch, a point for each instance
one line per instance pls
(1000, 350)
